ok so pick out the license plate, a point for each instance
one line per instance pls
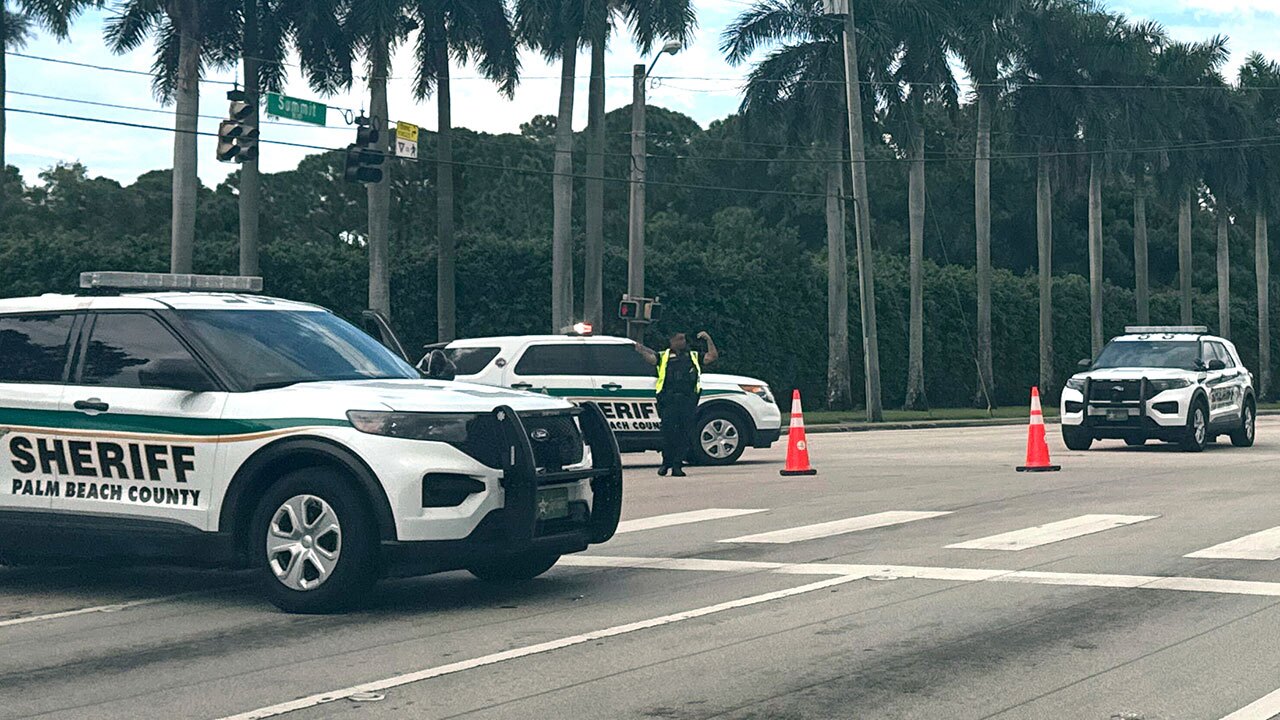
(553, 503)
(1117, 415)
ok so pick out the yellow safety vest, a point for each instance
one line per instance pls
(664, 356)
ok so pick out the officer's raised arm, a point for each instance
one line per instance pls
(650, 356)
(712, 354)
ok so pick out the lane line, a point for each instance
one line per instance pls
(117, 607)
(837, 527)
(1264, 545)
(516, 653)
(1264, 708)
(681, 518)
(1018, 540)
(1217, 586)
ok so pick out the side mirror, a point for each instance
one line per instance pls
(438, 366)
(1216, 364)
(171, 374)
(1085, 363)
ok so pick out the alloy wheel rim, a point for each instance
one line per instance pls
(304, 542)
(1200, 426)
(1250, 422)
(719, 438)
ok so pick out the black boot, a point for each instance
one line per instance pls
(678, 471)
(663, 470)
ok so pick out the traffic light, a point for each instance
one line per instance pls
(364, 157)
(237, 138)
(629, 309)
(653, 311)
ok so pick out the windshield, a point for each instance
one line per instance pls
(275, 348)
(1172, 354)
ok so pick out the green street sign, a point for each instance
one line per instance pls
(307, 111)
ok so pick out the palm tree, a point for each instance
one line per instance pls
(555, 28)
(16, 27)
(1260, 80)
(465, 31)
(1226, 174)
(189, 34)
(982, 37)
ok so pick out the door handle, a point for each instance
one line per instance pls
(92, 405)
(611, 386)
(521, 386)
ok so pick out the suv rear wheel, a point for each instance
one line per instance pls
(721, 437)
(314, 542)
(1243, 436)
(1196, 435)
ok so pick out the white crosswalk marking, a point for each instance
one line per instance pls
(1265, 708)
(1051, 533)
(1263, 545)
(681, 518)
(837, 527)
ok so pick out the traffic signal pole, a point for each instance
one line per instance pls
(635, 231)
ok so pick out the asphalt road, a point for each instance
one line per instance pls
(917, 576)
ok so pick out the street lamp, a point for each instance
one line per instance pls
(635, 234)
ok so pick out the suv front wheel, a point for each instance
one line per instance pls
(1196, 435)
(314, 543)
(1076, 438)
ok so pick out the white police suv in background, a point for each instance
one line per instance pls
(1177, 384)
(734, 413)
(242, 430)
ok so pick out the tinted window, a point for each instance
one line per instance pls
(471, 360)
(621, 361)
(1177, 354)
(275, 348)
(1221, 351)
(134, 350)
(33, 348)
(561, 359)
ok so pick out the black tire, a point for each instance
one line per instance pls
(355, 562)
(1244, 435)
(1135, 441)
(514, 569)
(722, 431)
(1196, 435)
(1076, 439)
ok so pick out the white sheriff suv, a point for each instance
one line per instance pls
(234, 429)
(734, 413)
(1177, 384)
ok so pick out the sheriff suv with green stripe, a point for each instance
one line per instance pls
(234, 429)
(734, 413)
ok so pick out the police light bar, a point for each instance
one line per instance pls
(168, 281)
(582, 328)
(1166, 330)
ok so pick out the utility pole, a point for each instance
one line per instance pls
(861, 209)
(635, 230)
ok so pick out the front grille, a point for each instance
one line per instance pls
(556, 441)
(1115, 391)
(485, 441)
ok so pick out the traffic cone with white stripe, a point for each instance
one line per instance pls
(1037, 448)
(797, 446)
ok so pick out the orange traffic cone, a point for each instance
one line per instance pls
(797, 446)
(1037, 448)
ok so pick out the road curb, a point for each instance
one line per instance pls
(937, 424)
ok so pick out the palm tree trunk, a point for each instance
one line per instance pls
(250, 181)
(982, 224)
(593, 276)
(1141, 288)
(1262, 269)
(380, 192)
(4, 31)
(1224, 275)
(862, 219)
(562, 196)
(186, 108)
(446, 275)
(1184, 257)
(915, 398)
(839, 373)
(1095, 254)
(1044, 247)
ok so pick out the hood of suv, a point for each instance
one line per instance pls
(415, 396)
(1139, 373)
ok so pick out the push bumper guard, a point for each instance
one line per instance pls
(1134, 425)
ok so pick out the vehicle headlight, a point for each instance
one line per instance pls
(1159, 386)
(1076, 383)
(452, 428)
(760, 391)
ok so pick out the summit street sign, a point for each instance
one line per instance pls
(307, 111)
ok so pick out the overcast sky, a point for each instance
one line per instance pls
(697, 82)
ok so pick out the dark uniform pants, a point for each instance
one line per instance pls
(676, 410)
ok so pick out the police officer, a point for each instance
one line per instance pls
(679, 387)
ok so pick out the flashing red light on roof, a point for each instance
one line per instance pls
(582, 328)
